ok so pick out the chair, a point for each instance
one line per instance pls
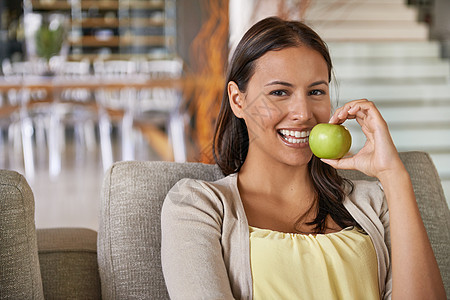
(164, 68)
(160, 106)
(133, 193)
(26, 124)
(115, 100)
(43, 126)
(71, 109)
(154, 110)
(4, 124)
(8, 128)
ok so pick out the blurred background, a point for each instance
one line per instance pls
(86, 83)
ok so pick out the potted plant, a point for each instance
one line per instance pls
(45, 37)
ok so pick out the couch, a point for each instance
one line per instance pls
(56, 263)
(122, 261)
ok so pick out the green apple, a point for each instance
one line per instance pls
(330, 140)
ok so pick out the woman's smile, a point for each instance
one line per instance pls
(294, 138)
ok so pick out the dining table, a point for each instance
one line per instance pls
(49, 89)
(91, 82)
(52, 86)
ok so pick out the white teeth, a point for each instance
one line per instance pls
(297, 141)
(294, 134)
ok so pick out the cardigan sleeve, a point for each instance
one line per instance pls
(191, 250)
(367, 204)
(384, 218)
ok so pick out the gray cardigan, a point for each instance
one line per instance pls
(205, 238)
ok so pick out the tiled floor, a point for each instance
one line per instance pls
(70, 200)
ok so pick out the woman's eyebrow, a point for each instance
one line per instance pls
(318, 83)
(291, 85)
(279, 82)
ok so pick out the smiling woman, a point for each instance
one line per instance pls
(286, 93)
(282, 218)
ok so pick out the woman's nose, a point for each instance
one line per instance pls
(300, 109)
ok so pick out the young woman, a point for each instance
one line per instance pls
(283, 224)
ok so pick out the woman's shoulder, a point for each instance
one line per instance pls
(369, 186)
(366, 195)
(189, 184)
(189, 190)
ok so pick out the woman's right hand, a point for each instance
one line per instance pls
(378, 157)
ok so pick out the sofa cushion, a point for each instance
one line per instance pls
(20, 276)
(129, 240)
(68, 260)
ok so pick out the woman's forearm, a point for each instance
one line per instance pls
(415, 273)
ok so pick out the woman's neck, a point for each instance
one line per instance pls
(283, 181)
(275, 195)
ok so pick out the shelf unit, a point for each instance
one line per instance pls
(117, 29)
(11, 43)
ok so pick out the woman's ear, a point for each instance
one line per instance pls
(236, 97)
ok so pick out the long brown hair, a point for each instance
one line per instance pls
(231, 141)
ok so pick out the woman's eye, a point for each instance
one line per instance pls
(317, 92)
(279, 93)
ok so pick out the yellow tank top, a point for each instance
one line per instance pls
(340, 265)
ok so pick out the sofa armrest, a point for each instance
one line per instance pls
(20, 276)
(68, 261)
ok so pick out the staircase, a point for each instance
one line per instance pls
(366, 20)
(380, 52)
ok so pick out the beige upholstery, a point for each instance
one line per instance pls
(20, 276)
(129, 233)
(68, 259)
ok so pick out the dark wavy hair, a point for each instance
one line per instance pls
(231, 141)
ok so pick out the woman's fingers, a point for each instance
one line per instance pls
(343, 163)
(365, 113)
(379, 152)
(347, 111)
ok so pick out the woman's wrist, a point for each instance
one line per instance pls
(397, 172)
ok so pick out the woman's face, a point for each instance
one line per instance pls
(286, 96)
